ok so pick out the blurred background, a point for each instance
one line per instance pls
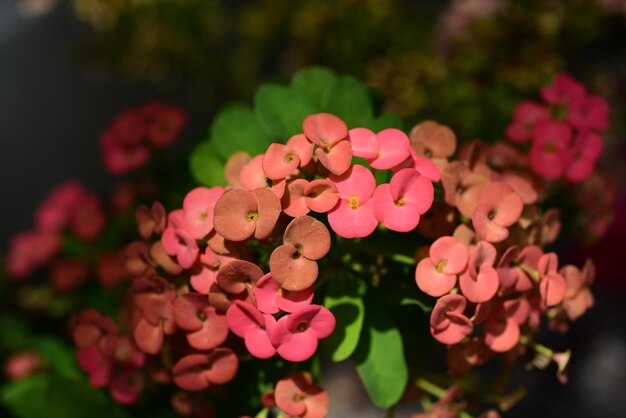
(68, 67)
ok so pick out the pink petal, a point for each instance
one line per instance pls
(336, 159)
(148, 338)
(393, 148)
(309, 236)
(353, 223)
(258, 341)
(364, 143)
(232, 215)
(397, 217)
(269, 211)
(213, 333)
(432, 282)
(295, 301)
(319, 321)
(454, 252)
(186, 309)
(222, 366)
(238, 275)
(427, 168)
(324, 129)
(291, 270)
(198, 208)
(552, 288)
(187, 372)
(251, 175)
(481, 288)
(293, 347)
(266, 293)
(409, 185)
(517, 309)
(233, 166)
(501, 334)
(301, 145)
(439, 318)
(358, 181)
(293, 201)
(459, 328)
(279, 161)
(241, 317)
(321, 195)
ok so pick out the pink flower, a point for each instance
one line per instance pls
(57, 210)
(88, 220)
(22, 364)
(163, 122)
(29, 251)
(196, 372)
(294, 264)
(549, 151)
(502, 333)
(330, 134)
(563, 91)
(293, 201)
(252, 176)
(353, 216)
(247, 322)
(68, 274)
(154, 298)
(399, 203)
(437, 274)
(279, 161)
(206, 329)
(589, 113)
(321, 195)
(448, 324)
(480, 282)
(178, 242)
(497, 208)
(271, 298)
(296, 335)
(552, 285)
(198, 207)
(150, 220)
(462, 185)
(233, 167)
(384, 150)
(525, 117)
(297, 396)
(434, 141)
(204, 273)
(240, 214)
(511, 275)
(585, 151)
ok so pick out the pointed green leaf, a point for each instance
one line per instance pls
(206, 168)
(379, 357)
(345, 301)
(314, 83)
(281, 110)
(236, 128)
(60, 356)
(350, 100)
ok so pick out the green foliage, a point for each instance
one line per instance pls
(206, 167)
(349, 99)
(345, 301)
(379, 357)
(57, 397)
(281, 110)
(236, 128)
(314, 83)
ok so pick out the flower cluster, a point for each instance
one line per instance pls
(563, 131)
(69, 209)
(127, 141)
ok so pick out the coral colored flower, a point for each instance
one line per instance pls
(206, 329)
(29, 251)
(154, 298)
(22, 364)
(353, 216)
(279, 161)
(525, 117)
(480, 282)
(233, 167)
(271, 298)
(502, 332)
(204, 273)
(448, 324)
(383, 150)
(178, 242)
(240, 214)
(198, 207)
(88, 219)
(126, 387)
(293, 201)
(150, 220)
(510, 272)
(462, 185)
(297, 396)
(247, 322)
(578, 297)
(293, 264)
(399, 203)
(296, 335)
(330, 134)
(163, 122)
(552, 285)
(321, 195)
(497, 208)
(238, 276)
(563, 90)
(589, 113)
(252, 177)
(437, 274)
(549, 152)
(434, 141)
(57, 210)
(196, 372)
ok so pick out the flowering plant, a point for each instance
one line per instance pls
(318, 232)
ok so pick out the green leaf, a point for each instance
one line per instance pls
(237, 128)
(314, 83)
(26, 398)
(75, 398)
(281, 110)
(379, 357)
(60, 356)
(345, 301)
(386, 121)
(407, 301)
(350, 100)
(206, 167)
